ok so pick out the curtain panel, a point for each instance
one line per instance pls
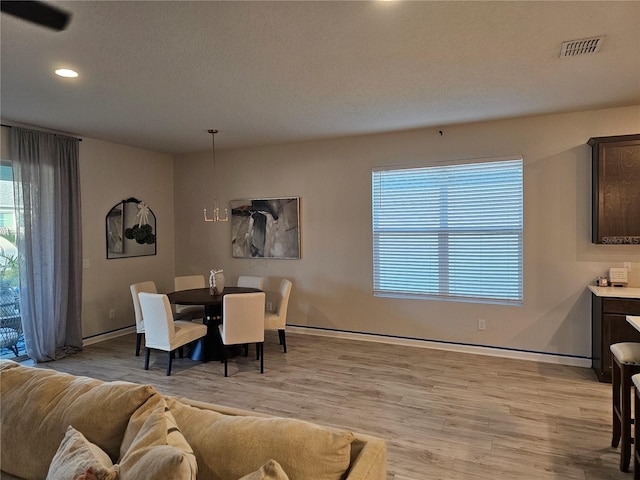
(49, 239)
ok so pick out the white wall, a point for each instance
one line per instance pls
(110, 173)
(333, 280)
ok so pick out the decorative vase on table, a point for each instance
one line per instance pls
(216, 282)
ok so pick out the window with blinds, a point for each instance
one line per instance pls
(451, 231)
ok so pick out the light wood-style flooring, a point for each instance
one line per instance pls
(444, 415)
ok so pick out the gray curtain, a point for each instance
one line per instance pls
(49, 240)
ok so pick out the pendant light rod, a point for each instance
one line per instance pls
(216, 208)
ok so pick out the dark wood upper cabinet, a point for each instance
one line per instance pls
(616, 189)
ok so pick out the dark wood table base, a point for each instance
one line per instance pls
(209, 348)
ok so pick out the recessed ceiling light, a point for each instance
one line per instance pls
(65, 72)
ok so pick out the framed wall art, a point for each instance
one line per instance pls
(131, 230)
(266, 228)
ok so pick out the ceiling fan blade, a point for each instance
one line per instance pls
(37, 12)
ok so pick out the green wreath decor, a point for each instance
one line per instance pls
(141, 232)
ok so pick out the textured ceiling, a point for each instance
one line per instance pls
(157, 75)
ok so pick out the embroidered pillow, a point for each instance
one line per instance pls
(76, 455)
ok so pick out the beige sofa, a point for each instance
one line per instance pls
(55, 425)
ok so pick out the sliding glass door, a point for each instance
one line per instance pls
(11, 337)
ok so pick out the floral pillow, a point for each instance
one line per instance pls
(88, 475)
(77, 458)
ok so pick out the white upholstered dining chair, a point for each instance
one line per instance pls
(136, 288)
(251, 282)
(277, 320)
(188, 282)
(162, 332)
(243, 322)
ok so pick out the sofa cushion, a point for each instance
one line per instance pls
(228, 447)
(75, 455)
(154, 447)
(39, 404)
(269, 471)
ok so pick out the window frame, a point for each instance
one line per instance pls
(512, 229)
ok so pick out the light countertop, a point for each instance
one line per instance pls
(635, 321)
(615, 292)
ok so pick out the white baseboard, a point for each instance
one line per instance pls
(108, 336)
(558, 359)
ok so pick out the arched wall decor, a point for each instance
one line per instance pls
(130, 230)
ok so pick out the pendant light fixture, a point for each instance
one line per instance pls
(216, 208)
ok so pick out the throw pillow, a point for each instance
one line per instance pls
(227, 446)
(88, 475)
(157, 448)
(269, 471)
(76, 455)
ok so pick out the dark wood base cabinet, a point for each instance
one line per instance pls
(608, 326)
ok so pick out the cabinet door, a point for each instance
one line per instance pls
(616, 187)
(615, 329)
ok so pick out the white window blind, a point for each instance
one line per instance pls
(452, 231)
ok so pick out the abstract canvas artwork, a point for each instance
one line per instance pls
(266, 228)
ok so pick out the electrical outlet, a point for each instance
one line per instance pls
(482, 324)
(112, 313)
(627, 265)
(85, 263)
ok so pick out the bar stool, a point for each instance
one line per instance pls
(636, 429)
(626, 363)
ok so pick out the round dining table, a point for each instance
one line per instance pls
(210, 347)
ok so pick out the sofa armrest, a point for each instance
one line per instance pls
(368, 458)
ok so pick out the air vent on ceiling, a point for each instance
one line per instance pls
(584, 46)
